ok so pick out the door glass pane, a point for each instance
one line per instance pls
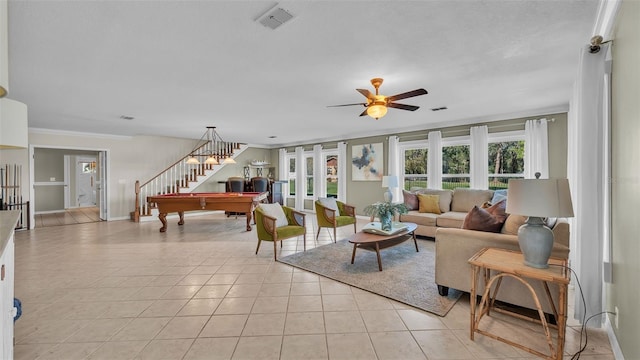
(332, 175)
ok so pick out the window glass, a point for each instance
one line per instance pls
(506, 161)
(455, 166)
(415, 168)
(292, 175)
(332, 175)
(309, 175)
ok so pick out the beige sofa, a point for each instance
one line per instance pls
(454, 247)
(454, 206)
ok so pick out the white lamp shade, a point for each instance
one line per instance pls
(390, 181)
(539, 197)
(193, 161)
(228, 160)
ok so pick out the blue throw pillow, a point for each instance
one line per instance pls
(499, 195)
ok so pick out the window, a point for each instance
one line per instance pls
(455, 163)
(415, 166)
(331, 161)
(309, 174)
(291, 159)
(506, 158)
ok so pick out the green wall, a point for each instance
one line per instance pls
(624, 292)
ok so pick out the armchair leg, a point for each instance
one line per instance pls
(258, 248)
(304, 239)
(275, 250)
(318, 234)
(335, 237)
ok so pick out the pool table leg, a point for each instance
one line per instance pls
(181, 214)
(248, 220)
(163, 219)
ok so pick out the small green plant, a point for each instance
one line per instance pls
(381, 208)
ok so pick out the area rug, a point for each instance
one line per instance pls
(407, 276)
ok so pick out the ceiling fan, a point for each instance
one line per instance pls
(376, 105)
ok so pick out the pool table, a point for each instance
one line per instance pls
(244, 202)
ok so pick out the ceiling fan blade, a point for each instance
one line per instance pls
(368, 94)
(407, 94)
(364, 113)
(403, 106)
(363, 104)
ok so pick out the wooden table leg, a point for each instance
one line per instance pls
(562, 320)
(248, 220)
(415, 241)
(378, 254)
(163, 219)
(472, 300)
(353, 256)
(181, 215)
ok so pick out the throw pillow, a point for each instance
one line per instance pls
(512, 224)
(499, 195)
(330, 203)
(480, 219)
(498, 210)
(429, 203)
(275, 210)
(410, 200)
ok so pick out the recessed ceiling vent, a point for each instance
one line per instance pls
(275, 17)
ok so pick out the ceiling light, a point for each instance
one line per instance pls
(377, 111)
(228, 160)
(213, 148)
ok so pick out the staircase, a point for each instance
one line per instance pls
(183, 177)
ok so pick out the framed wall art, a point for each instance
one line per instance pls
(367, 162)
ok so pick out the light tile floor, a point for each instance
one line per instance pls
(121, 290)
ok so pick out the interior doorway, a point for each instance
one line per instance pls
(69, 185)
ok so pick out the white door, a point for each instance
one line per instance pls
(102, 184)
(86, 181)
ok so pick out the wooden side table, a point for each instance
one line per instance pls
(508, 263)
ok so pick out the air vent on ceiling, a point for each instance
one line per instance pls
(275, 17)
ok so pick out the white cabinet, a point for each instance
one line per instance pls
(8, 221)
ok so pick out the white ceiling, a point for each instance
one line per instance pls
(179, 66)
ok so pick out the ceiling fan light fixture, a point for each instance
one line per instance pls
(377, 111)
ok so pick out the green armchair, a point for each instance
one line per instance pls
(331, 218)
(268, 231)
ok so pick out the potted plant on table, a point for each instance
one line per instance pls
(385, 211)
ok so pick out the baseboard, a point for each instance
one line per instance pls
(615, 347)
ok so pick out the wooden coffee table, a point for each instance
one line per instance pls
(375, 242)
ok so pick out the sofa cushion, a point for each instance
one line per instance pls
(424, 219)
(512, 224)
(410, 200)
(429, 203)
(465, 199)
(445, 197)
(481, 220)
(451, 219)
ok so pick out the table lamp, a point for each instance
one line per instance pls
(390, 181)
(538, 198)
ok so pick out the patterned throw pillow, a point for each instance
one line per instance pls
(429, 203)
(410, 200)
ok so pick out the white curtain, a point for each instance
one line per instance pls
(536, 149)
(300, 178)
(343, 160)
(319, 173)
(479, 153)
(283, 171)
(394, 165)
(586, 128)
(434, 163)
